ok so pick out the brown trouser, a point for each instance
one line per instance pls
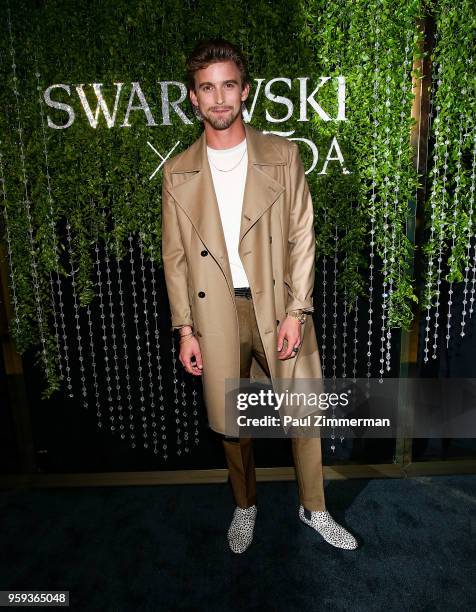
(239, 451)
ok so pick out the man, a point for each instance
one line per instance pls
(238, 250)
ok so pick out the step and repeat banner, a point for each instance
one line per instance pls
(94, 100)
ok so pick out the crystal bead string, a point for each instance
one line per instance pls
(385, 227)
(473, 281)
(176, 395)
(324, 308)
(151, 400)
(54, 242)
(76, 315)
(334, 327)
(344, 335)
(434, 70)
(334, 315)
(453, 229)
(137, 337)
(9, 247)
(469, 61)
(26, 203)
(372, 205)
(126, 353)
(439, 142)
(163, 428)
(470, 235)
(434, 77)
(64, 332)
(184, 412)
(195, 412)
(112, 324)
(356, 340)
(345, 300)
(107, 369)
(429, 272)
(115, 404)
(344, 343)
(402, 133)
(336, 302)
(93, 363)
(443, 221)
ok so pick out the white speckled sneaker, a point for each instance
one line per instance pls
(332, 532)
(240, 533)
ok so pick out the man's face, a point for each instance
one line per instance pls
(218, 94)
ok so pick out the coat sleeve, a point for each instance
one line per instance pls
(300, 270)
(174, 260)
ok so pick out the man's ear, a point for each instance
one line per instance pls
(193, 97)
(245, 92)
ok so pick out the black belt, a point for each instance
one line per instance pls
(245, 291)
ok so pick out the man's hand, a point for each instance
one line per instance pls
(189, 349)
(289, 330)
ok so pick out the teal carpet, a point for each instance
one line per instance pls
(164, 547)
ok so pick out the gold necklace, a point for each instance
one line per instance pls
(229, 169)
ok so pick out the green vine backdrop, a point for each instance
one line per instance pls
(450, 207)
(96, 180)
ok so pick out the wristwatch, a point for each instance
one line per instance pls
(299, 315)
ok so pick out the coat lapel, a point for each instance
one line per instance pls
(195, 192)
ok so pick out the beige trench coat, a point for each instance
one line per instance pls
(277, 249)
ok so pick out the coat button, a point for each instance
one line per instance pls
(204, 253)
(199, 335)
(277, 322)
(270, 239)
(201, 294)
(274, 282)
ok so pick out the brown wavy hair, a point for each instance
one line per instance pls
(211, 51)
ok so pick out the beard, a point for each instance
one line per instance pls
(219, 122)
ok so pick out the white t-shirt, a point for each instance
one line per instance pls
(229, 190)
